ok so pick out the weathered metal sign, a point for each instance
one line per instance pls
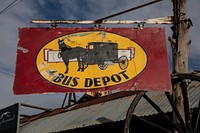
(9, 119)
(87, 59)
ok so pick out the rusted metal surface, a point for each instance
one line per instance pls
(92, 115)
(79, 105)
(155, 106)
(160, 20)
(104, 99)
(131, 111)
(194, 93)
(73, 115)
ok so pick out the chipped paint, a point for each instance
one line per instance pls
(24, 50)
(160, 20)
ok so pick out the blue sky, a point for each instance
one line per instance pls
(23, 11)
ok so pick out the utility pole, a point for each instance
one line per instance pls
(180, 50)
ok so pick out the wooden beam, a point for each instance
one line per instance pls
(35, 107)
(160, 20)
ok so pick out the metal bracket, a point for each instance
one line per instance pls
(141, 25)
(97, 26)
(54, 25)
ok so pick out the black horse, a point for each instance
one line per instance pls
(67, 53)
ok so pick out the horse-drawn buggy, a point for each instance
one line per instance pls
(107, 53)
(100, 53)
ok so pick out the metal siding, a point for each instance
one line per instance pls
(144, 108)
(112, 110)
(194, 93)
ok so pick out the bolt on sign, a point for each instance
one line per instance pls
(89, 60)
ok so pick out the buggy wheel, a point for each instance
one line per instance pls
(123, 62)
(102, 66)
(163, 120)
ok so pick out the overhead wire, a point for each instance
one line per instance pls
(12, 4)
(128, 10)
(7, 73)
(2, 2)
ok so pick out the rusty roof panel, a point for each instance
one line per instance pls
(96, 114)
(194, 92)
(144, 108)
(106, 111)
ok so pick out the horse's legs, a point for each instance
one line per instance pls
(80, 64)
(66, 61)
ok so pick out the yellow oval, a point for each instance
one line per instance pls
(123, 63)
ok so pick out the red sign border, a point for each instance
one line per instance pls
(129, 85)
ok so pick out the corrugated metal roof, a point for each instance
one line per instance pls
(194, 93)
(110, 111)
(145, 109)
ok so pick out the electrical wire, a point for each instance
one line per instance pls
(128, 10)
(15, 4)
(6, 73)
(12, 4)
(2, 2)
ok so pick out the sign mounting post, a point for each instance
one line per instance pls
(180, 49)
